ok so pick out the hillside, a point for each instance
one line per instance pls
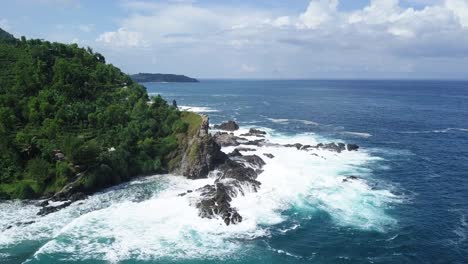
(69, 119)
(159, 77)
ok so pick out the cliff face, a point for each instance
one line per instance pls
(198, 153)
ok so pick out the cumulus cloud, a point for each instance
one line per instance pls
(381, 38)
(123, 38)
(317, 13)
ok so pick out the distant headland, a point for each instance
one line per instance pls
(160, 77)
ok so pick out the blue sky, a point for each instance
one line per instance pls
(259, 39)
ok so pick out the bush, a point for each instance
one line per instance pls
(86, 154)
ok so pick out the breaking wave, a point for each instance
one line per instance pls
(146, 219)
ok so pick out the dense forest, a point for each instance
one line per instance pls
(68, 117)
(160, 77)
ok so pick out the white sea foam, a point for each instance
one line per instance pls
(357, 134)
(287, 121)
(279, 120)
(445, 130)
(119, 225)
(197, 109)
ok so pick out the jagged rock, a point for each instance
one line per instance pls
(352, 147)
(297, 145)
(246, 149)
(51, 209)
(257, 131)
(332, 147)
(268, 155)
(225, 140)
(350, 178)
(228, 126)
(257, 142)
(200, 155)
(338, 147)
(254, 160)
(254, 132)
(235, 153)
(234, 170)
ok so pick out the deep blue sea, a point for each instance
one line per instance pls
(409, 205)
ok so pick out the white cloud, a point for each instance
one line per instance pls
(460, 9)
(317, 13)
(381, 38)
(123, 38)
(86, 27)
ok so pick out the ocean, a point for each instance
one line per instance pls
(408, 205)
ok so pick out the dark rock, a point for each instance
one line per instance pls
(268, 155)
(189, 191)
(254, 160)
(225, 139)
(182, 194)
(77, 196)
(235, 153)
(254, 132)
(257, 142)
(44, 203)
(350, 178)
(338, 147)
(257, 131)
(332, 147)
(297, 145)
(51, 209)
(228, 126)
(246, 149)
(352, 147)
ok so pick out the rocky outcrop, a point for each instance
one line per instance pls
(233, 178)
(254, 133)
(225, 140)
(228, 126)
(199, 155)
(335, 147)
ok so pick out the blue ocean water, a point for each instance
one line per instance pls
(411, 206)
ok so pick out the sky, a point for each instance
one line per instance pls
(282, 39)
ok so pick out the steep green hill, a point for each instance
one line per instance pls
(67, 117)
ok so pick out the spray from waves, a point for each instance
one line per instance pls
(197, 109)
(146, 219)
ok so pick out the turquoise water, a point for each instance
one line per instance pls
(409, 206)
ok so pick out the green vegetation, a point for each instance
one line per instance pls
(67, 117)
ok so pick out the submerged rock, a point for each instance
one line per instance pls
(350, 178)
